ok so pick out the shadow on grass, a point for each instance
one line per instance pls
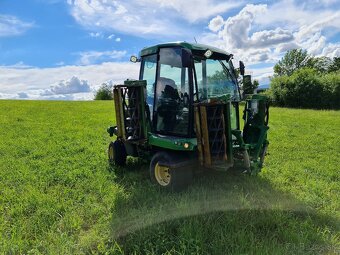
(220, 213)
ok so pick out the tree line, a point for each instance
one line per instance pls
(304, 81)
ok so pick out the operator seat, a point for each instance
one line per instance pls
(167, 104)
(162, 82)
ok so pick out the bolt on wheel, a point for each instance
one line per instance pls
(162, 174)
(169, 178)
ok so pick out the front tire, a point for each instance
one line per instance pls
(173, 179)
(117, 153)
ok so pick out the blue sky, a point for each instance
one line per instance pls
(64, 49)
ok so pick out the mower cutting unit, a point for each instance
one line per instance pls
(183, 115)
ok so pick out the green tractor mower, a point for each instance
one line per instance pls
(183, 115)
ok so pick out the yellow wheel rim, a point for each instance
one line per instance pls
(162, 175)
(111, 153)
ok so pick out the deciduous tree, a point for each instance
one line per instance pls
(104, 92)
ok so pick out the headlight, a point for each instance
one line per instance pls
(133, 59)
(208, 53)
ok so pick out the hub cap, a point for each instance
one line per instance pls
(162, 174)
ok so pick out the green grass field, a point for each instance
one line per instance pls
(59, 196)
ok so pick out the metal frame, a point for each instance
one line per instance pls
(130, 110)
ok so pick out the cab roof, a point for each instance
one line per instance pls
(191, 46)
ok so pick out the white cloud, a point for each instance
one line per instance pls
(54, 97)
(263, 33)
(316, 4)
(331, 50)
(12, 26)
(193, 10)
(96, 34)
(328, 21)
(295, 14)
(270, 37)
(216, 23)
(118, 39)
(142, 18)
(111, 36)
(235, 36)
(71, 86)
(92, 57)
(114, 15)
(35, 81)
(310, 36)
(261, 74)
(9, 96)
(236, 29)
(314, 44)
(18, 65)
(283, 47)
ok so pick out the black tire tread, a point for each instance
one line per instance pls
(180, 177)
(119, 153)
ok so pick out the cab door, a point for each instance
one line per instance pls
(173, 100)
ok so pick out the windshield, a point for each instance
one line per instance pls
(215, 78)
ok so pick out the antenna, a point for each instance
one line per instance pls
(195, 39)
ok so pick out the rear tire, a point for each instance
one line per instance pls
(117, 153)
(173, 179)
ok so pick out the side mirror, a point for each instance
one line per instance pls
(186, 58)
(242, 68)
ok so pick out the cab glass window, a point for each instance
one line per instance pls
(172, 94)
(149, 68)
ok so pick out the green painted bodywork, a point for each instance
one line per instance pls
(186, 45)
(172, 142)
(255, 139)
